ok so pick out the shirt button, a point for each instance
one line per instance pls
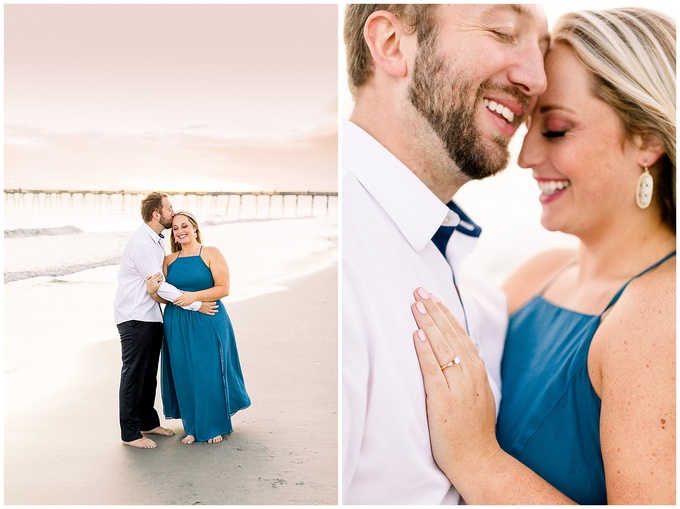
(450, 220)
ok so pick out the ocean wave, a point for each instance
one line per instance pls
(247, 246)
(220, 222)
(36, 232)
(58, 271)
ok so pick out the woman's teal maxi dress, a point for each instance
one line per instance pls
(201, 378)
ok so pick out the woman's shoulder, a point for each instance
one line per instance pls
(632, 364)
(211, 255)
(650, 297)
(644, 316)
(534, 274)
(210, 251)
(640, 329)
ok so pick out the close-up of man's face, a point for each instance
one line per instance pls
(474, 79)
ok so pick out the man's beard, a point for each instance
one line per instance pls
(439, 94)
(165, 222)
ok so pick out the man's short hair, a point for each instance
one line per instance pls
(418, 18)
(151, 203)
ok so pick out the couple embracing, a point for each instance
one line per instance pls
(201, 378)
(561, 387)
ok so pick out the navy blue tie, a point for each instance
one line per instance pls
(441, 239)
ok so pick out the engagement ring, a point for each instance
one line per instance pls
(455, 360)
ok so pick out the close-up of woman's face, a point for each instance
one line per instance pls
(575, 145)
(182, 229)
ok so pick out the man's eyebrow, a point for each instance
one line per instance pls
(521, 10)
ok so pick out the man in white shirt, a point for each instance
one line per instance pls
(439, 91)
(140, 322)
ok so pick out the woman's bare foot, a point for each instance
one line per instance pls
(160, 430)
(141, 443)
(215, 440)
(189, 439)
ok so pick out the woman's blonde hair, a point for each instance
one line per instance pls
(174, 246)
(631, 53)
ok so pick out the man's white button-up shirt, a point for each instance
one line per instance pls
(388, 219)
(142, 257)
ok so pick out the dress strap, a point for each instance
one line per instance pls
(554, 278)
(618, 294)
(200, 249)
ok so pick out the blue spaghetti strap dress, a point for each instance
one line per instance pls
(201, 378)
(549, 417)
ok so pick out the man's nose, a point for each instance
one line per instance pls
(529, 72)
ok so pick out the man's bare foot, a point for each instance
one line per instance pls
(189, 439)
(160, 430)
(215, 440)
(141, 443)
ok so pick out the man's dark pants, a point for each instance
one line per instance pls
(141, 346)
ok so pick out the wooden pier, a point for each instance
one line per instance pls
(250, 203)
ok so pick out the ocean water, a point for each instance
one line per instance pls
(61, 265)
(43, 236)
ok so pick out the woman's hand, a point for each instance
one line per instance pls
(185, 299)
(461, 409)
(153, 283)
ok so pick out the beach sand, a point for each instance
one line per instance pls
(62, 439)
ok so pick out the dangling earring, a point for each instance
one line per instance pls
(645, 186)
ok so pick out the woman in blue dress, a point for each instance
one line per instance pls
(588, 401)
(201, 378)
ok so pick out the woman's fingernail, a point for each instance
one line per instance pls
(423, 293)
(420, 307)
(421, 335)
(434, 298)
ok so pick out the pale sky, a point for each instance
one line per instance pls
(187, 97)
(192, 97)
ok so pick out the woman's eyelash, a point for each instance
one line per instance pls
(554, 134)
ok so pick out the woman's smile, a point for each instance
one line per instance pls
(552, 189)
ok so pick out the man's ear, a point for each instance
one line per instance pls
(384, 37)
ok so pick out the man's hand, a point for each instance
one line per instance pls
(208, 308)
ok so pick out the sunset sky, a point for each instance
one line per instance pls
(174, 97)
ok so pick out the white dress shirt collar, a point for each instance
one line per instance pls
(416, 211)
(413, 207)
(155, 236)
